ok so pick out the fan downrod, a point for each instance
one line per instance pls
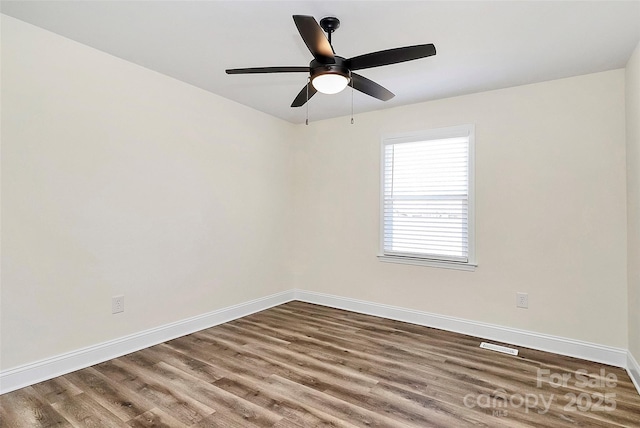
(329, 24)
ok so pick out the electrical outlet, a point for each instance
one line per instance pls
(117, 304)
(522, 300)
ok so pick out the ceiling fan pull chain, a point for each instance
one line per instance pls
(306, 122)
(351, 96)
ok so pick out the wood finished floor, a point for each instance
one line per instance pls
(302, 365)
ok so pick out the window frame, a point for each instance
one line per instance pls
(467, 130)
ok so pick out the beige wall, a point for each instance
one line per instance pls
(633, 197)
(550, 214)
(119, 180)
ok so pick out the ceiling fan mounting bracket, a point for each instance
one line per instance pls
(330, 24)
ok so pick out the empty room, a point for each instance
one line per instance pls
(303, 213)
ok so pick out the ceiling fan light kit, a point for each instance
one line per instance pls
(329, 78)
(329, 83)
(330, 73)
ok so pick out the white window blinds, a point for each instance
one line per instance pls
(426, 196)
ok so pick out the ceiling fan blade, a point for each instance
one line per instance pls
(391, 56)
(267, 70)
(302, 96)
(314, 38)
(370, 87)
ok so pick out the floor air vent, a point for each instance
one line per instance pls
(499, 348)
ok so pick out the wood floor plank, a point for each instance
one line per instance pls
(179, 405)
(220, 400)
(56, 389)
(25, 408)
(303, 365)
(242, 360)
(289, 408)
(155, 418)
(346, 411)
(185, 362)
(114, 397)
(285, 423)
(83, 411)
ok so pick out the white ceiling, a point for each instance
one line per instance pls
(480, 45)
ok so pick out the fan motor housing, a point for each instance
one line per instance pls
(339, 67)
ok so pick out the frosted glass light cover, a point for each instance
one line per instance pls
(329, 83)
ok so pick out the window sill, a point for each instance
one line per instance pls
(470, 267)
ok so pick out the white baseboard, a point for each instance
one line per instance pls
(49, 368)
(543, 342)
(39, 371)
(633, 368)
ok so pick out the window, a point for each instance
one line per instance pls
(427, 198)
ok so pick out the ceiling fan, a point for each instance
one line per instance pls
(330, 73)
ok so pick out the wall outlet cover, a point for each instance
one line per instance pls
(117, 304)
(522, 300)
